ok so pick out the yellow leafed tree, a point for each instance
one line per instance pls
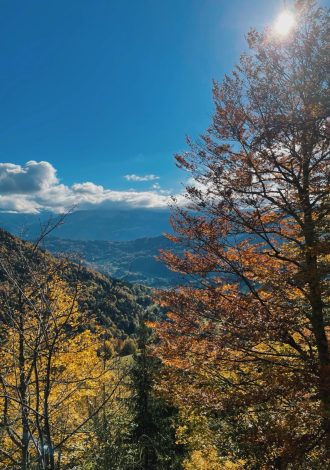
(51, 370)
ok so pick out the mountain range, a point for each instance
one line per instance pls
(121, 244)
(115, 225)
(135, 261)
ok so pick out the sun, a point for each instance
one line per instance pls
(284, 23)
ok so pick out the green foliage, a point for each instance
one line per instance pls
(128, 348)
(113, 449)
(154, 420)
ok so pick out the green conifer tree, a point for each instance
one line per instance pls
(154, 420)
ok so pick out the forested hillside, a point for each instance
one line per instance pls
(116, 305)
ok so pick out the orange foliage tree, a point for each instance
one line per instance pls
(246, 339)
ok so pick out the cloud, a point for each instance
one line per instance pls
(27, 179)
(138, 178)
(34, 187)
(19, 203)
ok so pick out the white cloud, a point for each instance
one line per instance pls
(19, 203)
(26, 179)
(34, 187)
(138, 178)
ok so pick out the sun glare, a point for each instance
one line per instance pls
(284, 23)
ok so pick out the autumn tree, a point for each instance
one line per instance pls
(50, 367)
(247, 342)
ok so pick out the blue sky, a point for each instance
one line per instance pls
(101, 89)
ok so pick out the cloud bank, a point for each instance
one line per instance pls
(34, 187)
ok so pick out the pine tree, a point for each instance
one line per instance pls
(154, 420)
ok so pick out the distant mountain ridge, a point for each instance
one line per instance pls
(116, 225)
(122, 244)
(134, 261)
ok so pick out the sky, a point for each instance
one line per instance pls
(96, 96)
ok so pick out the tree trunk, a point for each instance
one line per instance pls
(317, 317)
(23, 397)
